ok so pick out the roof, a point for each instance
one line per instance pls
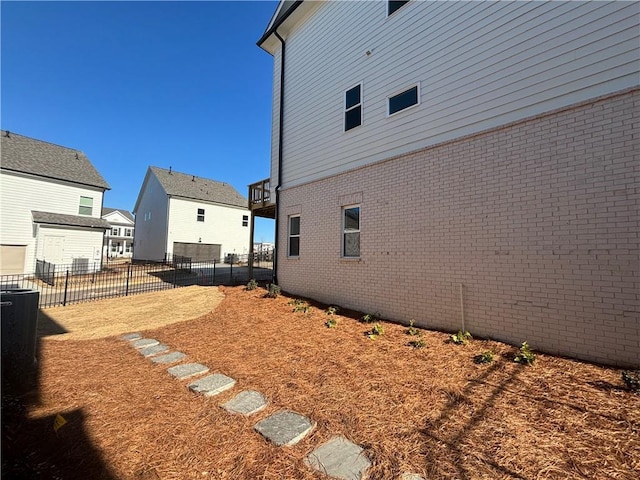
(44, 159)
(284, 9)
(126, 213)
(69, 220)
(196, 188)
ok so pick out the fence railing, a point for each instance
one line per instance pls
(64, 284)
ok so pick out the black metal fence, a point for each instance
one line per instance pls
(64, 284)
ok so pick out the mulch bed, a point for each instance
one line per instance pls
(430, 410)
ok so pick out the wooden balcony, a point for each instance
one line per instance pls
(260, 202)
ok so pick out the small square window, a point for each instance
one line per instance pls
(245, 220)
(294, 236)
(86, 206)
(201, 214)
(351, 231)
(393, 6)
(403, 100)
(353, 107)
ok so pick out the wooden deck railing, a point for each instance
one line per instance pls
(260, 194)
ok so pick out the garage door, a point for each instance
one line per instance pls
(12, 259)
(199, 252)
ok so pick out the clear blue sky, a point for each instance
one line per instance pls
(133, 84)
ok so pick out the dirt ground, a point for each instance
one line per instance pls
(430, 410)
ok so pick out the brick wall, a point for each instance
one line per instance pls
(538, 220)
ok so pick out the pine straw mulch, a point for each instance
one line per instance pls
(431, 411)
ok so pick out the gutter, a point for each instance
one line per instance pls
(274, 28)
(280, 136)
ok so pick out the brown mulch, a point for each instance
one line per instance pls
(431, 411)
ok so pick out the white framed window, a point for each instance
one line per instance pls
(407, 98)
(200, 217)
(245, 220)
(86, 206)
(115, 231)
(128, 248)
(394, 6)
(351, 231)
(294, 236)
(353, 107)
(128, 232)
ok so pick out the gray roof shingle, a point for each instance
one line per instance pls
(28, 155)
(70, 220)
(126, 213)
(197, 188)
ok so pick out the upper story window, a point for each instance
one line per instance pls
(393, 6)
(351, 231)
(403, 100)
(201, 214)
(353, 107)
(128, 232)
(245, 220)
(115, 231)
(86, 206)
(294, 236)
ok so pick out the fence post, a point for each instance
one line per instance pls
(213, 282)
(231, 270)
(126, 290)
(66, 285)
(175, 270)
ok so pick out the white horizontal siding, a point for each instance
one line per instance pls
(80, 246)
(222, 225)
(479, 65)
(20, 194)
(150, 233)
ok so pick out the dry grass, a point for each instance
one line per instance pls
(431, 411)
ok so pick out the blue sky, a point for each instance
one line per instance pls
(134, 84)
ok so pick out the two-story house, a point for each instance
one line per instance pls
(463, 164)
(50, 203)
(118, 241)
(181, 214)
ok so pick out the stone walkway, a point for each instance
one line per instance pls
(338, 458)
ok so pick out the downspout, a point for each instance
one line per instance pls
(280, 135)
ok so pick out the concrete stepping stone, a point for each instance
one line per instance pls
(145, 342)
(212, 385)
(154, 350)
(131, 336)
(168, 357)
(339, 458)
(247, 402)
(284, 428)
(187, 370)
(411, 476)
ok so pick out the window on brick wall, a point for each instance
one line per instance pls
(351, 231)
(294, 236)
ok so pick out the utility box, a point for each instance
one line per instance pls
(19, 316)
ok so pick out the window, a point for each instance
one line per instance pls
(294, 236)
(201, 214)
(86, 206)
(245, 220)
(128, 248)
(393, 6)
(115, 231)
(404, 100)
(353, 107)
(128, 232)
(351, 231)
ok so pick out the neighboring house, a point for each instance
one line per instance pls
(180, 214)
(50, 202)
(462, 164)
(118, 241)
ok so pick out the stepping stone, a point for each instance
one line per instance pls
(246, 403)
(284, 428)
(168, 357)
(339, 458)
(145, 342)
(187, 370)
(153, 350)
(411, 476)
(212, 384)
(131, 336)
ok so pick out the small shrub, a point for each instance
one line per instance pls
(632, 380)
(331, 323)
(411, 330)
(524, 356)
(461, 337)
(418, 343)
(484, 357)
(299, 305)
(252, 285)
(370, 317)
(375, 331)
(273, 290)
(331, 310)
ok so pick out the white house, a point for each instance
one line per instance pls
(118, 241)
(181, 214)
(462, 164)
(50, 202)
